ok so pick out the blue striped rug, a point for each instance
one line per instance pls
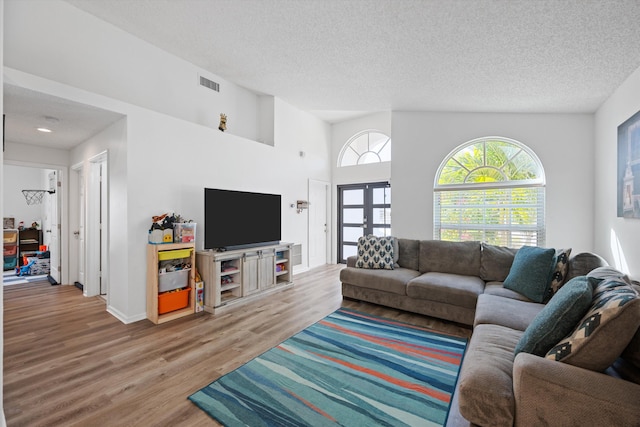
(349, 369)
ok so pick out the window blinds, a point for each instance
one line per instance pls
(510, 216)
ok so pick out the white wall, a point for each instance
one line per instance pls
(563, 142)
(35, 155)
(616, 238)
(168, 159)
(376, 172)
(108, 61)
(2, 418)
(113, 140)
(14, 180)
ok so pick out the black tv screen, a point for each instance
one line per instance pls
(237, 219)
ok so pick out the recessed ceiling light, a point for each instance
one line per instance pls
(44, 130)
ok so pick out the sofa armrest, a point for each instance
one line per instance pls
(351, 261)
(554, 393)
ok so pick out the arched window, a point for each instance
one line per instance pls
(368, 146)
(490, 189)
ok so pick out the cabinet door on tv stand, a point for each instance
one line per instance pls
(266, 272)
(250, 273)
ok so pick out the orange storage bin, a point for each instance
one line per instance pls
(10, 250)
(172, 301)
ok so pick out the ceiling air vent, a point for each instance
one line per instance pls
(209, 84)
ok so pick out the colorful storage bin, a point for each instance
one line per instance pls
(173, 280)
(184, 232)
(10, 263)
(10, 250)
(175, 254)
(172, 301)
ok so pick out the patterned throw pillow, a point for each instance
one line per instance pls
(375, 252)
(560, 272)
(606, 329)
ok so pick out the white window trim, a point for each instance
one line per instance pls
(539, 182)
(347, 146)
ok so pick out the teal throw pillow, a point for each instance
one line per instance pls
(558, 318)
(530, 273)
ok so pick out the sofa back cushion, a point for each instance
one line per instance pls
(440, 256)
(581, 264)
(495, 262)
(408, 253)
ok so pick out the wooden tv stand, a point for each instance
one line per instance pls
(237, 276)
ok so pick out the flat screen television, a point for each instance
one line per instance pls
(240, 219)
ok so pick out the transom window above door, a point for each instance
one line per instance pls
(365, 147)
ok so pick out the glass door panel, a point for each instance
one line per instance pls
(363, 209)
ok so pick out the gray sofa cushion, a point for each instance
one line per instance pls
(408, 253)
(393, 281)
(486, 377)
(448, 288)
(496, 288)
(450, 257)
(581, 264)
(511, 313)
(495, 262)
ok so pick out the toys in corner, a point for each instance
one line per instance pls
(168, 228)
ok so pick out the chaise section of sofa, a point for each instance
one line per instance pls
(497, 387)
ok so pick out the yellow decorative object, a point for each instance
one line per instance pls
(223, 122)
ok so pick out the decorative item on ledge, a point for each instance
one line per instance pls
(223, 122)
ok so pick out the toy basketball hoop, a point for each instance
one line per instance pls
(34, 197)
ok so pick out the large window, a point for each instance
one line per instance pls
(365, 147)
(492, 190)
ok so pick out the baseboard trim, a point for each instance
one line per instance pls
(123, 318)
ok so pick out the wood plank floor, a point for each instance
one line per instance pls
(67, 362)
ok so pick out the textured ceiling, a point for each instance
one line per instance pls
(372, 55)
(343, 58)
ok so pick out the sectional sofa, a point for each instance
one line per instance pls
(520, 368)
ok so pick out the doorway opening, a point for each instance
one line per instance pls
(319, 202)
(39, 222)
(363, 209)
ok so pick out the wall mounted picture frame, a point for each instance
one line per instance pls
(629, 167)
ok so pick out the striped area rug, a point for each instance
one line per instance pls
(349, 369)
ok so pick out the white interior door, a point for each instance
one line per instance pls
(318, 222)
(96, 228)
(79, 233)
(53, 228)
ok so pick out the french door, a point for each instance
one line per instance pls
(363, 209)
